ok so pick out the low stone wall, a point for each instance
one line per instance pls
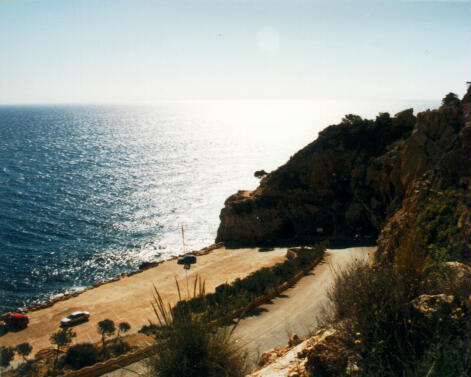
(110, 365)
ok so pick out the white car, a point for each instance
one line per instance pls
(75, 318)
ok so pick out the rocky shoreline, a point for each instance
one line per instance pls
(143, 267)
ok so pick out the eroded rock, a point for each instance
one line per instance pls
(294, 340)
(429, 304)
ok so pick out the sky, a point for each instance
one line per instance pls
(133, 51)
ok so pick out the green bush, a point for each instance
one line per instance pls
(375, 317)
(230, 297)
(81, 355)
(449, 357)
(442, 226)
(149, 329)
(119, 348)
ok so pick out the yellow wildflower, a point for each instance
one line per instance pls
(357, 341)
(458, 309)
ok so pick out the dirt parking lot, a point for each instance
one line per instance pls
(129, 299)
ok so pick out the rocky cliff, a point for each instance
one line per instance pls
(356, 180)
(435, 215)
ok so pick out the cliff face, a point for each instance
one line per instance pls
(435, 215)
(353, 179)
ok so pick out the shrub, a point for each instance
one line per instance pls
(442, 225)
(6, 356)
(450, 357)
(373, 311)
(123, 327)
(26, 369)
(24, 349)
(81, 355)
(119, 348)
(149, 329)
(191, 348)
(241, 292)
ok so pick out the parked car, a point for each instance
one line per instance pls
(75, 318)
(16, 321)
(187, 259)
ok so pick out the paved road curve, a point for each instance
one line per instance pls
(299, 308)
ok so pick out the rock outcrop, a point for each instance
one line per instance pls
(357, 180)
(413, 189)
(293, 360)
(439, 152)
(321, 354)
(430, 304)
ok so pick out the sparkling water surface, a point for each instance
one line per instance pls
(87, 192)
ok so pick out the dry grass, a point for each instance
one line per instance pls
(190, 348)
(373, 312)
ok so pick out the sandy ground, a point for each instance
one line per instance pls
(297, 310)
(129, 299)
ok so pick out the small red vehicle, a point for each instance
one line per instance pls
(16, 321)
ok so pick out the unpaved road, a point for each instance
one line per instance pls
(129, 299)
(296, 311)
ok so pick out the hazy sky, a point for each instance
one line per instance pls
(59, 51)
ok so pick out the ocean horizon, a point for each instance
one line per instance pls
(91, 191)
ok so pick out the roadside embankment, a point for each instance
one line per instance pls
(299, 308)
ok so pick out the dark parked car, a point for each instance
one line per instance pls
(75, 318)
(187, 261)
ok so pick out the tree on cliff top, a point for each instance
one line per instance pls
(451, 99)
(352, 119)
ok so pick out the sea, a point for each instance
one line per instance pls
(91, 191)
